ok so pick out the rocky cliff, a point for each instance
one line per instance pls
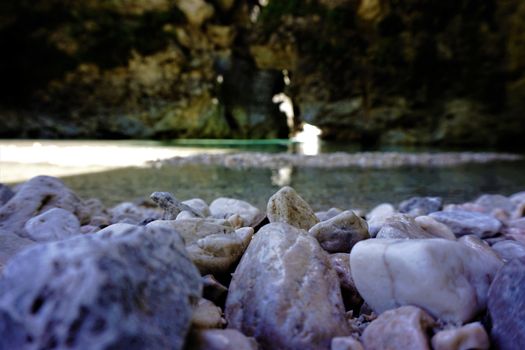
(387, 71)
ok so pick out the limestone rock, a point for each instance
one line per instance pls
(506, 302)
(346, 343)
(124, 287)
(34, 197)
(402, 226)
(6, 193)
(340, 233)
(464, 222)
(285, 293)
(470, 336)
(198, 205)
(193, 229)
(377, 217)
(456, 277)
(10, 245)
(326, 215)
(509, 249)
(417, 206)
(196, 11)
(130, 213)
(224, 208)
(52, 225)
(207, 315)
(288, 207)
(401, 328)
(220, 339)
(434, 227)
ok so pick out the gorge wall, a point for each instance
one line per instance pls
(370, 71)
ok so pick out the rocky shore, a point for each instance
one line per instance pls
(339, 159)
(170, 274)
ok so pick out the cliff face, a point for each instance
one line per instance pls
(428, 72)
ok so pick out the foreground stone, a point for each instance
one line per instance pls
(456, 277)
(124, 287)
(34, 197)
(285, 293)
(288, 207)
(403, 328)
(340, 233)
(506, 302)
(470, 336)
(463, 222)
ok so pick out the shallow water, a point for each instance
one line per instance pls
(322, 188)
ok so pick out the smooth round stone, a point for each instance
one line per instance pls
(224, 208)
(509, 249)
(402, 328)
(417, 206)
(340, 233)
(288, 207)
(456, 277)
(491, 202)
(207, 315)
(465, 222)
(470, 336)
(506, 302)
(402, 226)
(285, 293)
(434, 227)
(377, 217)
(198, 205)
(326, 215)
(53, 225)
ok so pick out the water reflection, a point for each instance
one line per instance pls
(282, 176)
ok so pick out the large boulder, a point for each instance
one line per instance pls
(456, 276)
(34, 197)
(126, 287)
(285, 293)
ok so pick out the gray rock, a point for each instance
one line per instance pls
(326, 215)
(131, 213)
(402, 328)
(346, 343)
(465, 222)
(36, 196)
(435, 228)
(6, 193)
(171, 205)
(491, 202)
(285, 293)
(220, 339)
(417, 206)
(198, 205)
(126, 287)
(288, 207)
(224, 208)
(402, 226)
(10, 245)
(469, 336)
(207, 315)
(377, 217)
(506, 302)
(517, 198)
(509, 249)
(52, 225)
(340, 233)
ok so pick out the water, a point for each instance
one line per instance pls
(322, 188)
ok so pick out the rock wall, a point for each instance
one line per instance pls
(393, 72)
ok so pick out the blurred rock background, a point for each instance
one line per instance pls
(370, 71)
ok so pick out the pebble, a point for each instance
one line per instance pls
(207, 315)
(171, 205)
(326, 215)
(456, 277)
(470, 336)
(124, 287)
(346, 343)
(340, 233)
(506, 302)
(131, 213)
(377, 217)
(225, 208)
(198, 205)
(402, 328)
(402, 226)
(417, 206)
(288, 207)
(434, 227)
(509, 249)
(52, 225)
(491, 202)
(220, 339)
(463, 222)
(285, 293)
(34, 197)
